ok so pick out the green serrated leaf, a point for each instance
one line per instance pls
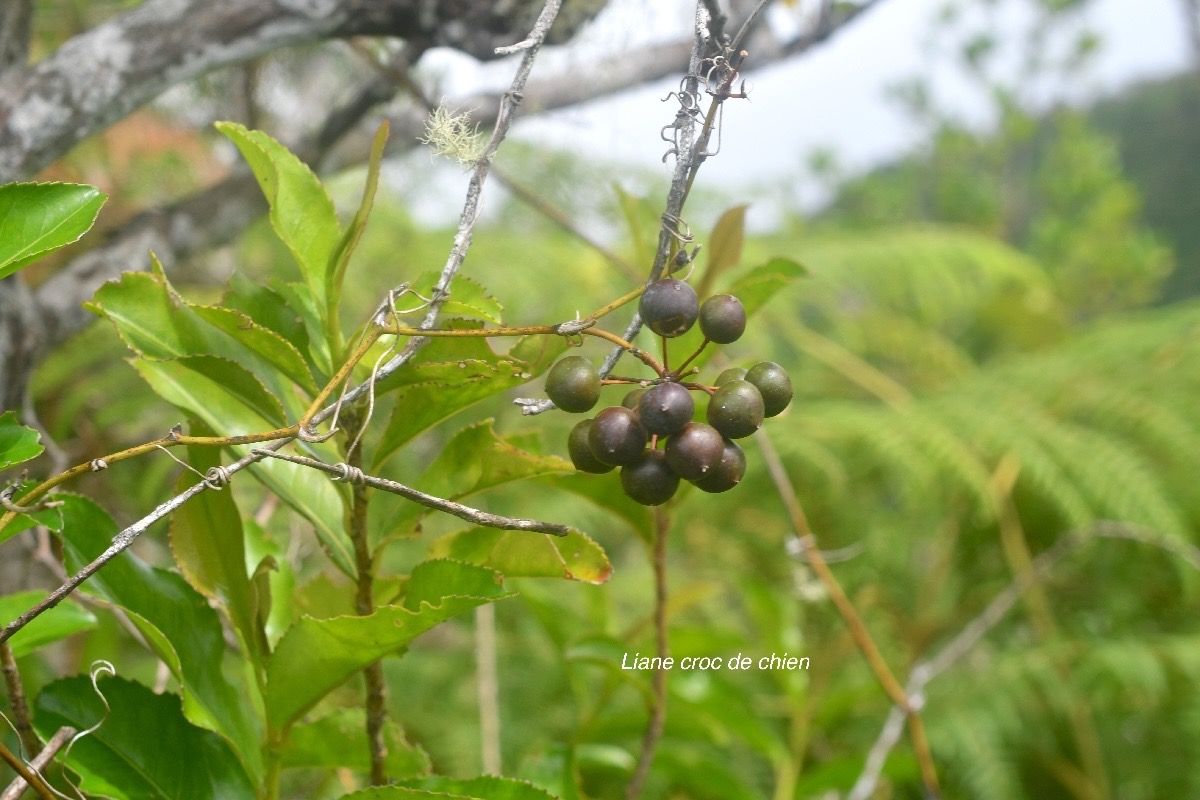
(605, 492)
(17, 443)
(153, 320)
(150, 318)
(38, 218)
(176, 621)
(474, 460)
(755, 287)
(539, 352)
(272, 347)
(199, 392)
(63, 620)
(224, 394)
(339, 740)
(299, 299)
(349, 242)
(424, 405)
(49, 517)
(400, 793)
(554, 771)
(316, 656)
(724, 247)
(207, 541)
(487, 787)
(144, 749)
(516, 554)
(467, 297)
(301, 212)
(269, 309)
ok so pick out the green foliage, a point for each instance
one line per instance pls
(144, 748)
(39, 218)
(17, 443)
(315, 656)
(66, 619)
(929, 363)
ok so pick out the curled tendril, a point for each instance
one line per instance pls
(349, 474)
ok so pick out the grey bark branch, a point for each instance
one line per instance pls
(126, 537)
(103, 74)
(217, 215)
(16, 17)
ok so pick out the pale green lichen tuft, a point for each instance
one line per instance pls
(454, 136)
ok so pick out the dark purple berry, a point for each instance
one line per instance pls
(669, 307)
(616, 437)
(649, 480)
(695, 450)
(664, 409)
(727, 473)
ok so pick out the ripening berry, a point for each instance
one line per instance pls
(736, 410)
(722, 319)
(581, 452)
(774, 384)
(573, 384)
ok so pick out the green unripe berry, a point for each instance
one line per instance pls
(573, 384)
(664, 409)
(617, 437)
(731, 374)
(581, 452)
(630, 400)
(694, 451)
(736, 410)
(728, 472)
(722, 319)
(649, 480)
(774, 384)
(669, 307)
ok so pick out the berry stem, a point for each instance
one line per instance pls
(647, 359)
(699, 387)
(691, 358)
(658, 711)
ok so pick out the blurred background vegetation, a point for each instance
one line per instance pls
(996, 347)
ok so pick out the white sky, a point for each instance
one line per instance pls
(834, 97)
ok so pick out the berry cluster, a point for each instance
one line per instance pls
(651, 436)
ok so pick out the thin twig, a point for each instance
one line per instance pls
(364, 605)
(25, 773)
(458, 253)
(487, 685)
(56, 743)
(685, 161)
(958, 647)
(485, 518)
(992, 614)
(858, 630)
(658, 709)
(16, 699)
